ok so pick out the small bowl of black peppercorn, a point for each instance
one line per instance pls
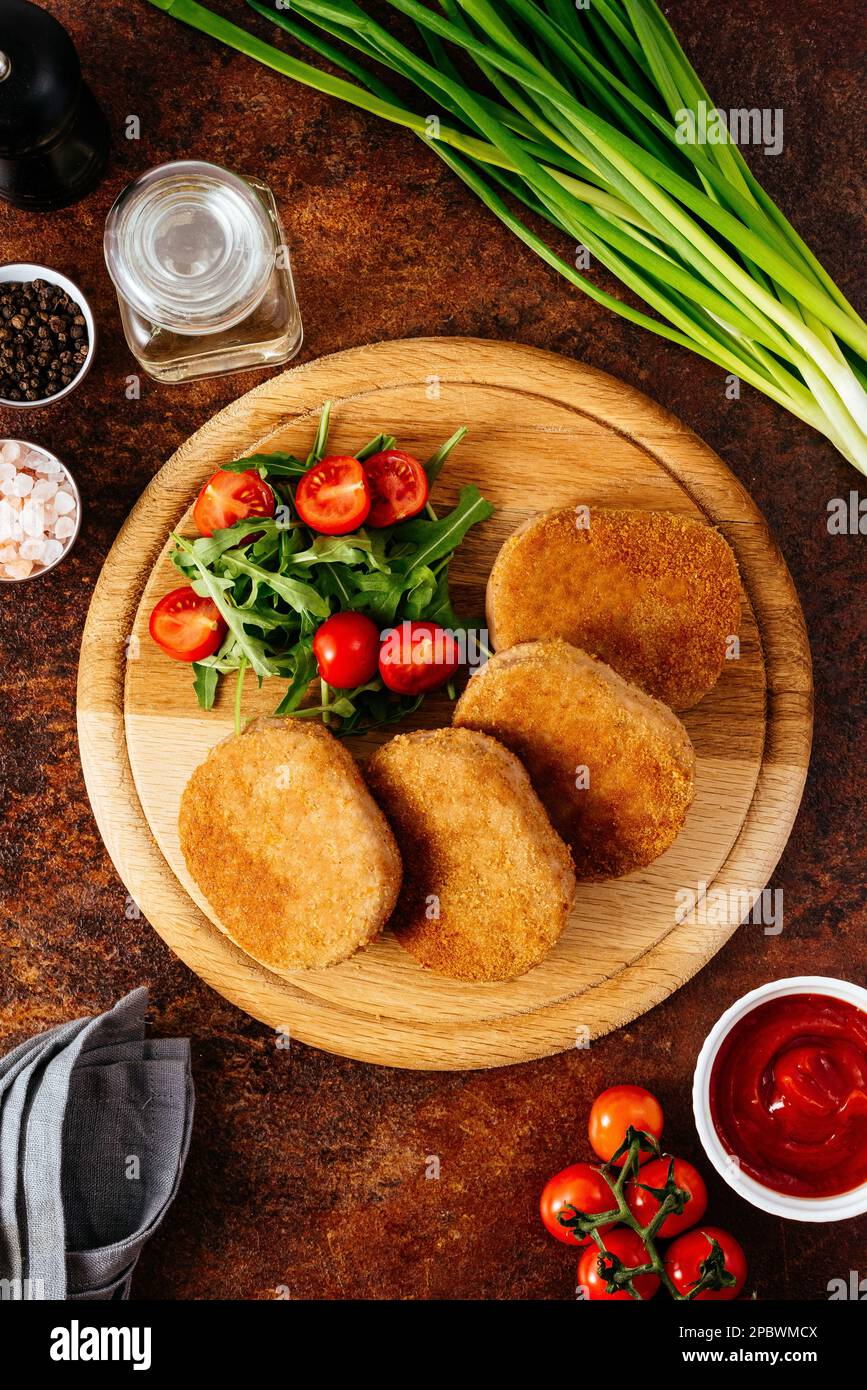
(47, 335)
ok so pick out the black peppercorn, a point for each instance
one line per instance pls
(43, 340)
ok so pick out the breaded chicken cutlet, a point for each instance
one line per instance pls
(285, 841)
(613, 767)
(488, 883)
(655, 596)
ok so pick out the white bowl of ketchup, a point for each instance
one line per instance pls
(780, 1098)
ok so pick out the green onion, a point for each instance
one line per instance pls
(575, 115)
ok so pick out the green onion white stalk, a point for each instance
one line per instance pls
(575, 115)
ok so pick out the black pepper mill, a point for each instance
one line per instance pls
(53, 137)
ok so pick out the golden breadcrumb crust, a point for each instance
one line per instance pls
(285, 841)
(654, 595)
(487, 881)
(563, 712)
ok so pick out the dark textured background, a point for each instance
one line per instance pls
(307, 1170)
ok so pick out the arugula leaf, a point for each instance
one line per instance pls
(331, 550)
(376, 446)
(420, 589)
(379, 595)
(305, 670)
(435, 539)
(379, 709)
(320, 443)
(214, 587)
(206, 550)
(434, 465)
(205, 682)
(302, 597)
(266, 619)
(290, 542)
(440, 608)
(239, 691)
(377, 553)
(337, 582)
(272, 465)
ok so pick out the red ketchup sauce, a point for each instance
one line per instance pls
(788, 1095)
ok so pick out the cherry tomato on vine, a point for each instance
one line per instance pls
(580, 1186)
(187, 627)
(644, 1205)
(626, 1245)
(333, 497)
(417, 657)
(230, 497)
(346, 648)
(685, 1256)
(614, 1111)
(398, 486)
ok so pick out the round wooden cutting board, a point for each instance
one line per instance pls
(544, 432)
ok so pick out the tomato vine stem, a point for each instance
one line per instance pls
(714, 1274)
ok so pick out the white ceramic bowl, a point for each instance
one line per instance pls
(69, 482)
(838, 1208)
(25, 270)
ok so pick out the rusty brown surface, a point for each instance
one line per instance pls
(307, 1170)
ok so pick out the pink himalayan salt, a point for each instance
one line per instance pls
(51, 551)
(19, 569)
(33, 519)
(43, 465)
(33, 505)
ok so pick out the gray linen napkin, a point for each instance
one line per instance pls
(95, 1125)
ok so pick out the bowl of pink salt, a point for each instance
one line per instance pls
(40, 511)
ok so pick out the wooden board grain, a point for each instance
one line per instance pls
(544, 432)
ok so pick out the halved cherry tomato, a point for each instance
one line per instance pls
(346, 648)
(230, 497)
(626, 1245)
(644, 1205)
(333, 496)
(417, 657)
(580, 1186)
(612, 1113)
(187, 627)
(398, 486)
(685, 1256)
